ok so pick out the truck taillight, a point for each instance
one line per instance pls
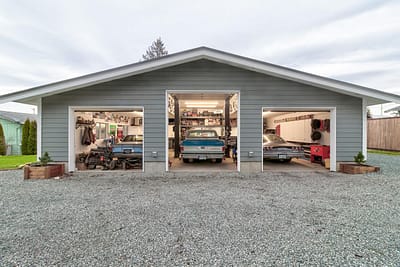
(223, 149)
(102, 158)
(182, 148)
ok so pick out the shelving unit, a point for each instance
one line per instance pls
(203, 120)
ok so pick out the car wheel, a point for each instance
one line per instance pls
(113, 164)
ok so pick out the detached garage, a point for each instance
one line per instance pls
(234, 99)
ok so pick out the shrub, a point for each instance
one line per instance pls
(359, 158)
(31, 146)
(25, 137)
(3, 148)
(45, 159)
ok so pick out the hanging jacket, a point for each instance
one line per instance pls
(86, 137)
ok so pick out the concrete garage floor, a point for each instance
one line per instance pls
(177, 165)
(295, 165)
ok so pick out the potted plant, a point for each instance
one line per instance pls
(43, 169)
(359, 167)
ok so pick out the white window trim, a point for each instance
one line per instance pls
(71, 129)
(332, 111)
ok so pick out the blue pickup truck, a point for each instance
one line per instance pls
(202, 145)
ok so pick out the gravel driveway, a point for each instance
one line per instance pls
(314, 218)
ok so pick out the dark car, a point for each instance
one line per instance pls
(276, 148)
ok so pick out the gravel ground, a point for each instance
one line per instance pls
(289, 219)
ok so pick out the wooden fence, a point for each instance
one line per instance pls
(384, 134)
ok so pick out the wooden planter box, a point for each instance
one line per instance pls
(44, 172)
(354, 168)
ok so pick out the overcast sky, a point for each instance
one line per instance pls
(45, 41)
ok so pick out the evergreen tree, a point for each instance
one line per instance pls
(25, 137)
(3, 149)
(32, 138)
(156, 50)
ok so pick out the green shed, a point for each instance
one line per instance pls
(12, 123)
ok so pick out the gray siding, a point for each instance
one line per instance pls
(148, 90)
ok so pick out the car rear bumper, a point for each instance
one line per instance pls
(283, 155)
(202, 156)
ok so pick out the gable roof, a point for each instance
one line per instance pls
(30, 96)
(16, 116)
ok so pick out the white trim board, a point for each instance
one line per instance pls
(71, 129)
(364, 129)
(39, 130)
(332, 141)
(372, 96)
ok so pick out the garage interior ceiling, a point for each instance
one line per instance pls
(269, 114)
(218, 99)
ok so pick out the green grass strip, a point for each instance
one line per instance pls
(12, 162)
(384, 152)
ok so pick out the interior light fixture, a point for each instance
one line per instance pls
(201, 103)
(201, 106)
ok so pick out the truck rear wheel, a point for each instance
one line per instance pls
(218, 160)
(186, 160)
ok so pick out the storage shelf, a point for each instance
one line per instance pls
(217, 125)
(203, 117)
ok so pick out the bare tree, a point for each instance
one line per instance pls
(156, 50)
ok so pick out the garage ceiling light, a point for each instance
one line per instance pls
(201, 102)
(201, 106)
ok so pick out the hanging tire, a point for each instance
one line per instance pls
(316, 135)
(315, 124)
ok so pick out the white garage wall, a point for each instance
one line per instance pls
(300, 130)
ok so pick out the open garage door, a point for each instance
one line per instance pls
(202, 132)
(297, 140)
(106, 139)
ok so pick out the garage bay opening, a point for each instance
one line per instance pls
(202, 131)
(110, 139)
(296, 140)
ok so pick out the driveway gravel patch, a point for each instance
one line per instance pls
(302, 219)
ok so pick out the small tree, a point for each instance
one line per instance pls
(359, 158)
(156, 50)
(45, 159)
(25, 137)
(2, 141)
(31, 149)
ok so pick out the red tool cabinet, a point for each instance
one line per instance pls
(319, 153)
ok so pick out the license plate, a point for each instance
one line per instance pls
(202, 157)
(282, 156)
(115, 158)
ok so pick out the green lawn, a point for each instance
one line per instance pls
(393, 153)
(12, 162)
